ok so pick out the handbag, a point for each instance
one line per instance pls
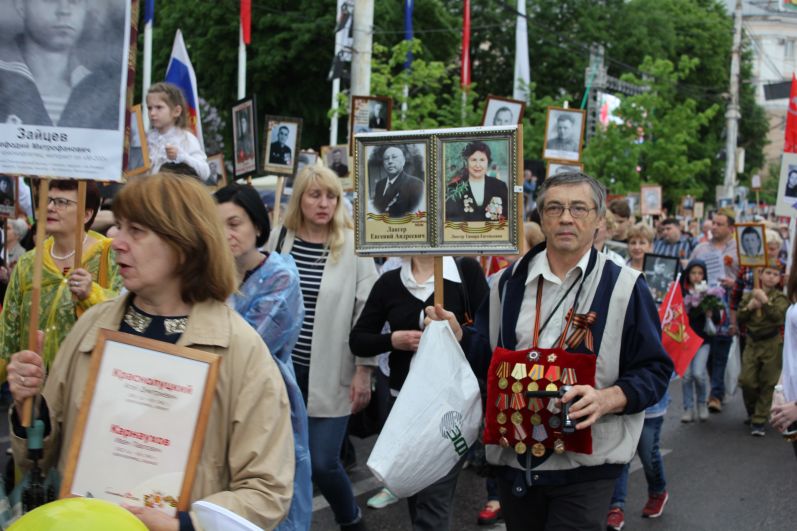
(435, 419)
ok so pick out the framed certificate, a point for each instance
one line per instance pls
(142, 422)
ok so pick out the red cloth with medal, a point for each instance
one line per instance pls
(514, 417)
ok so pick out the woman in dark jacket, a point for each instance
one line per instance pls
(473, 195)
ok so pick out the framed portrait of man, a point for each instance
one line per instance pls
(337, 159)
(503, 111)
(564, 132)
(218, 173)
(138, 161)
(8, 196)
(77, 100)
(751, 244)
(244, 138)
(369, 114)
(787, 185)
(562, 166)
(660, 271)
(281, 145)
(650, 197)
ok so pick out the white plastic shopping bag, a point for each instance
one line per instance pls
(733, 368)
(435, 419)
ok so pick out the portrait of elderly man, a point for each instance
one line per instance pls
(46, 80)
(566, 134)
(397, 193)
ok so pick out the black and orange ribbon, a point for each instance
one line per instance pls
(582, 324)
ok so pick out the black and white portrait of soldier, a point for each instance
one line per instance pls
(336, 160)
(377, 115)
(280, 151)
(791, 182)
(563, 138)
(752, 242)
(396, 192)
(659, 272)
(64, 67)
(6, 192)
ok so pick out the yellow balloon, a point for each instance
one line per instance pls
(86, 514)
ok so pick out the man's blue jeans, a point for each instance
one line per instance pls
(718, 360)
(652, 464)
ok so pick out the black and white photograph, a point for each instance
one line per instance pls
(8, 196)
(564, 130)
(787, 185)
(559, 166)
(369, 114)
(218, 173)
(138, 152)
(751, 244)
(281, 145)
(244, 138)
(660, 271)
(650, 197)
(396, 179)
(791, 181)
(687, 203)
(503, 111)
(336, 159)
(63, 76)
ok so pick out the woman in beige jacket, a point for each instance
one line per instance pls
(335, 285)
(179, 271)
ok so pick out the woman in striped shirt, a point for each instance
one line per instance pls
(335, 283)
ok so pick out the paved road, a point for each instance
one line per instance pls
(719, 477)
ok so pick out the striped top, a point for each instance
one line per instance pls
(680, 249)
(310, 259)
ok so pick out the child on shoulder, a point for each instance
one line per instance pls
(168, 139)
(763, 312)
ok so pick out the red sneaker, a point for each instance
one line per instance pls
(490, 514)
(616, 519)
(655, 505)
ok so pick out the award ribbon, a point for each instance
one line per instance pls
(569, 377)
(519, 371)
(539, 433)
(520, 433)
(553, 373)
(503, 369)
(518, 401)
(536, 404)
(536, 372)
(552, 407)
(503, 401)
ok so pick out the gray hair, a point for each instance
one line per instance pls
(573, 178)
(19, 227)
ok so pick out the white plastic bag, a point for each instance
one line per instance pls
(733, 368)
(435, 419)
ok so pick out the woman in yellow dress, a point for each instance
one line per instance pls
(66, 291)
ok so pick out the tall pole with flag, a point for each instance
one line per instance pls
(790, 141)
(465, 78)
(149, 18)
(408, 36)
(244, 38)
(522, 69)
(180, 72)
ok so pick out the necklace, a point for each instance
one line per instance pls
(67, 256)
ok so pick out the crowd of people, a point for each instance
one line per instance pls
(301, 322)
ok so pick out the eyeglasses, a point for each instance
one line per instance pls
(60, 203)
(555, 210)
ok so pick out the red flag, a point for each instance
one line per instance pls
(246, 20)
(465, 81)
(677, 337)
(790, 144)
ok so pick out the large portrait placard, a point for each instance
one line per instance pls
(67, 120)
(281, 145)
(751, 244)
(142, 423)
(440, 191)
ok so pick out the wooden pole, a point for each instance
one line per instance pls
(521, 226)
(438, 281)
(275, 213)
(81, 212)
(36, 291)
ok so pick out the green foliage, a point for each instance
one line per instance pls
(622, 158)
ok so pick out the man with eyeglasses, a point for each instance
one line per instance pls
(568, 489)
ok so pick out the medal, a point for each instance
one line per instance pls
(536, 404)
(503, 401)
(551, 358)
(569, 377)
(519, 371)
(503, 442)
(518, 400)
(503, 383)
(533, 355)
(555, 422)
(550, 387)
(536, 420)
(533, 387)
(559, 446)
(553, 407)
(537, 450)
(503, 369)
(501, 418)
(502, 430)
(538, 433)
(517, 387)
(520, 448)
(517, 418)
(536, 371)
(553, 373)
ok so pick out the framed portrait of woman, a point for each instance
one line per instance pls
(751, 244)
(478, 173)
(503, 111)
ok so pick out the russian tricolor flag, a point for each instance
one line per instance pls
(181, 73)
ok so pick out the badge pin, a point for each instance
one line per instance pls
(502, 430)
(533, 355)
(551, 358)
(559, 446)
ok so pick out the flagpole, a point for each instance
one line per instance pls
(147, 78)
(522, 68)
(672, 294)
(465, 79)
(241, 63)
